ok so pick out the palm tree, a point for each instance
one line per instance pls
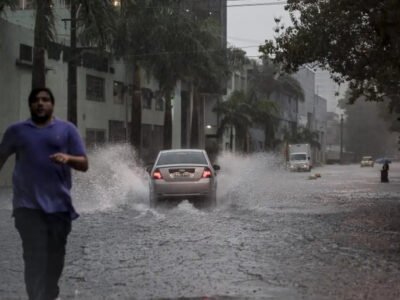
(94, 25)
(159, 37)
(236, 114)
(94, 21)
(264, 113)
(303, 135)
(210, 70)
(43, 35)
(134, 41)
(7, 3)
(190, 52)
(171, 62)
(265, 80)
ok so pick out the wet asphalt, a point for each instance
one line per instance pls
(273, 235)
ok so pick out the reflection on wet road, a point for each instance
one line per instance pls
(274, 235)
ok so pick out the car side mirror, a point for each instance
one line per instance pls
(216, 167)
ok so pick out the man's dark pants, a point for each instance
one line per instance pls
(44, 237)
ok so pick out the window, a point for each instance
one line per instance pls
(95, 137)
(95, 62)
(159, 102)
(147, 96)
(54, 51)
(25, 4)
(117, 131)
(95, 88)
(25, 52)
(118, 92)
(63, 4)
(182, 157)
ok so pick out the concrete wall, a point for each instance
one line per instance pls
(13, 101)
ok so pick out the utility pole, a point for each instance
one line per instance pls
(341, 139)
(72, 69)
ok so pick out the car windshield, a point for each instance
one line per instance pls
(298, 157)
(367, 158)
(182, 157)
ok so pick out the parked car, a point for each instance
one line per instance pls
(183, 174)
(367, 161)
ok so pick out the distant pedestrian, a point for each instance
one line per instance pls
(385, 172)
(46, 149)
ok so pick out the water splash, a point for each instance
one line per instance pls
(115, 178)
(257, 181)
(188, 208)
(248, 179)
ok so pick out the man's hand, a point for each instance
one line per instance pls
(79, 163)
(60, 158)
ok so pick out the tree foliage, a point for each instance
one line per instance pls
(236, 114)
(7, 3)
(96, 23)
(267, 78)
(357, 40)
(171, 44)
(302, 135)
(367, 138)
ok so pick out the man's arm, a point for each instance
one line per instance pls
(7, 146)
(79, 163)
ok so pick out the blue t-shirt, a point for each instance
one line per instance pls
(38, 182)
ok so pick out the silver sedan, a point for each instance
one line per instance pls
(183, 174)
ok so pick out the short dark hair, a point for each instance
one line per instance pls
(35, 91)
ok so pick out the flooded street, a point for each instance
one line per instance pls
(273, 235)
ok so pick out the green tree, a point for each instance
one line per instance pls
(43, 35)
(92, 25)
(302, 135)
(266, 79)
(367, 138)
(138, 40)
(264, 112)
(171, 45)
(236, 114)
(91, 20)
(7, 3)
(356, 40)
(184, 46)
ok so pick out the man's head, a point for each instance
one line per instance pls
(41, 105)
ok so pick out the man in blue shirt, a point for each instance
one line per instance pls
(46, 149)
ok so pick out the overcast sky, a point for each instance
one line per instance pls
(249, 26)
